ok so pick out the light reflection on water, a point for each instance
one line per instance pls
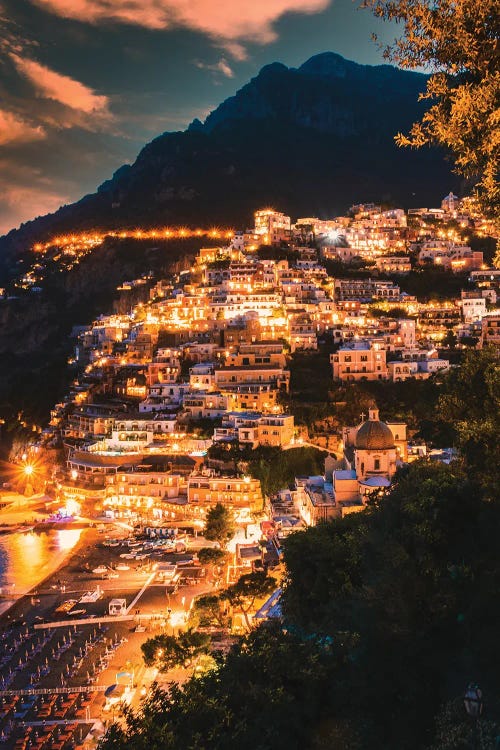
(26, 559)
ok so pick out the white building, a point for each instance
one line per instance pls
(272, 226)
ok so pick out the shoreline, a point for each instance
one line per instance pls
(10, 607)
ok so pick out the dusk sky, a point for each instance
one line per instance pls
(84, 84)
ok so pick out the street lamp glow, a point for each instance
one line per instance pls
(28, 470)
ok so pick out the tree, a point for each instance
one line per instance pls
(457, 40)
(450, 340)
(456, 730)
(208, 611)
(249, 587)
(211, 556)
(219, 524)
(470, 403)
(272, 690)
(168, 651)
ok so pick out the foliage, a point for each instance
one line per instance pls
(219, 524)
(456, 731)
(277, 469)
(249, 587)
(220, 264)
(413, 578)
(310, 376)
(433, 283)
(458, 41)
(207, 610)
(376, 311)
(211, 556)
(167, 651)
(273, 690)
(470, 402)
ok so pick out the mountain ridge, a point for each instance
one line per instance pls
(312, 139)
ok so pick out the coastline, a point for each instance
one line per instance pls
(13, 607)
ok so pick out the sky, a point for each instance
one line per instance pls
(84, 84)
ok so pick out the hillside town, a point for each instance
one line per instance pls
(186, 413)
(203, 364)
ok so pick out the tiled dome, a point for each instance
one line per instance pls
(374, 435)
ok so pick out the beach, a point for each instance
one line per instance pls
(46, 647)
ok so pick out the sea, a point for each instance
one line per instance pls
(27, 558)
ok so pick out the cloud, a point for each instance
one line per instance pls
(13, 129)
(60, 88)
(222, 66)
(26, 193)
(226, 21)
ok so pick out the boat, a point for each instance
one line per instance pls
(78, 612)
(127, 556)
(122, 566)
(100, 570)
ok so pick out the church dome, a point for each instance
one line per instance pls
(374, 435)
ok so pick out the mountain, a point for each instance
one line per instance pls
(310, 141)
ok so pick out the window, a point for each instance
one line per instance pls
(376, 465)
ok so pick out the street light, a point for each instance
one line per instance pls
(473, 700)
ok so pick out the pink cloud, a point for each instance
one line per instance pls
(224, 20)
(13, 129)
(61, 88)
(222, 66)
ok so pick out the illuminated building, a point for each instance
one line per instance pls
(490, 330)
(233, 492)
(360, 360)
(271, 226)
